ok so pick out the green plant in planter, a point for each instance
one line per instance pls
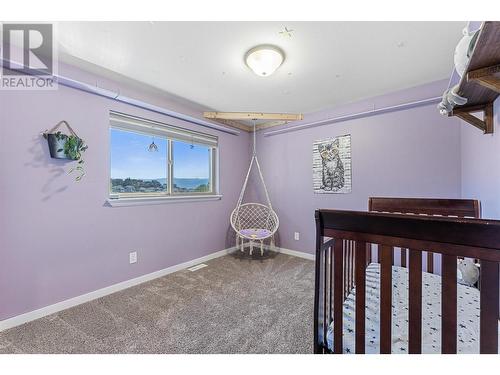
(73, 148)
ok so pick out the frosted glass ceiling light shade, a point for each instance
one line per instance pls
(264, 60)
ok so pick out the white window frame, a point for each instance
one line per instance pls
(138, 125)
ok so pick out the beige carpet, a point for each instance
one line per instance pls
(235, 305)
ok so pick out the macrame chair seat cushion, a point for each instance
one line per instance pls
(256, 233)
(254, 221)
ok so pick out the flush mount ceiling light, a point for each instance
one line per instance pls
(264, 60)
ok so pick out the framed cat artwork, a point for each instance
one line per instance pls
(332, 165)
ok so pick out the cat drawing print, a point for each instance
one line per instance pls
(332, 166)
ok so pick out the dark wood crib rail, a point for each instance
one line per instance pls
(416, 206)
(450, 237)
(425, 206)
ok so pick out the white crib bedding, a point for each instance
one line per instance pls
(467, 315)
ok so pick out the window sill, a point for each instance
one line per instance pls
(142, 201)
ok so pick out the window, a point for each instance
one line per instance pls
(134, 169)
(151, 159)
(191, 166)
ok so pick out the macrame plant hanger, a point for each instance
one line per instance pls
(57, 126)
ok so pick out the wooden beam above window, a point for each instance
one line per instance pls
(253, 116)
(234, 124)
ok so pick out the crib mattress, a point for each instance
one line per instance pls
(467, 315)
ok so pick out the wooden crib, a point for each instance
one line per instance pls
(424, 229)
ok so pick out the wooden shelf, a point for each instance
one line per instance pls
(485, 124)
(480, 83)
(487, 77)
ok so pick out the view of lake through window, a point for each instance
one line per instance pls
(191, 165)
(140, 165)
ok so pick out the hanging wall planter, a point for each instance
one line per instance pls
(69, 147)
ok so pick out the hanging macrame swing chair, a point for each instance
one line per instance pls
(254, 222)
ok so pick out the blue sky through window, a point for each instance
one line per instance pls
(130, 158)
(191, 161)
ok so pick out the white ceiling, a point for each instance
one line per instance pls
(327, 63)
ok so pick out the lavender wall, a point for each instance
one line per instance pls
(410, 153)
(480, 165)
(58, 239)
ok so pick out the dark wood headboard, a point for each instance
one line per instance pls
(441, 207)
(469, 208)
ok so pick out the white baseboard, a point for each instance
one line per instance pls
(66, 304)
(295, 253)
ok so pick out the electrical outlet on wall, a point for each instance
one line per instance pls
(132, 257)
(296, 236)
